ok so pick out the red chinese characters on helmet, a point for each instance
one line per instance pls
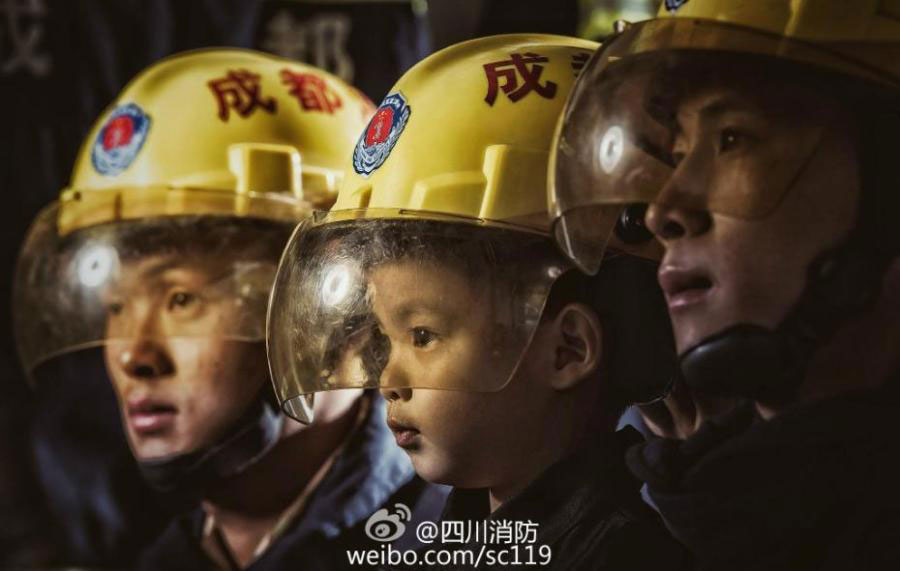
(239, 91)
(311, 91)
(510, 71)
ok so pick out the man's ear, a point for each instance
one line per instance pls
(578, 339)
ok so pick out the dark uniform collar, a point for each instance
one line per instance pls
(794, 479)
(369, 470)
(565, 492)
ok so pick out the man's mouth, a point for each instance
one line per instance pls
(405, 434)
(148, 416)
(684, 287)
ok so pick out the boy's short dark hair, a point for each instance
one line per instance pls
(639, 349)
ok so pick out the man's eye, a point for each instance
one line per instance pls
(181, 300)
(730, 139)
(422, 337)
(114, 308)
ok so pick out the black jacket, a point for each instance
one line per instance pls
(587, 509)
(371, 473)
(813, 488)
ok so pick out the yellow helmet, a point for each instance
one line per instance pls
(452, 167)
(242, 124)
(613, 147)
(508, 92)
(860, 38)
(231, 136)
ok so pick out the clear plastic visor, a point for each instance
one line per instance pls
(404, 302)
(167, 280)
(689, 113)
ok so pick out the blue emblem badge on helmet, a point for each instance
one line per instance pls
(381, 135)
(674, 5)
(120, 139)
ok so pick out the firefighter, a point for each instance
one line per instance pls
(157, 262)
(762, 136)
(434, 279)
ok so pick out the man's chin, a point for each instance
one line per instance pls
(687, 336)
(695, 330)
(154, 451)
(700, 326)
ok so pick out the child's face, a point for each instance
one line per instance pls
(442, 333)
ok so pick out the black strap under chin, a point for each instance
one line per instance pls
(250, 438)
(765, 365)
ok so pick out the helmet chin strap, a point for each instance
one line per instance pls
(769, 366)
(247, 440)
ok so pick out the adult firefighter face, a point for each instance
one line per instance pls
(159, 256)
(752, 147)
(181, 381)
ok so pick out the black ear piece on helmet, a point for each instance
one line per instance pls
(630, 227)
(638, 344)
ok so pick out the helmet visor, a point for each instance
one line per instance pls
(688, 113)
(143, 281)
(400, 301)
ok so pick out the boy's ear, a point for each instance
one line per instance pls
(578, 338)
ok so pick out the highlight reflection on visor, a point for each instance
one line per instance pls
(336, 285)
(612, 147)
(96, 264)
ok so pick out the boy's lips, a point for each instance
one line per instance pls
(405, 433)
(150, 415)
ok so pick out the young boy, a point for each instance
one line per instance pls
(159, 260)
(434, 278)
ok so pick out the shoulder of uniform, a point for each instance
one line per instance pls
(622, 542)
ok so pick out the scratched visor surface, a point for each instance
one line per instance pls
(621, 140)
(404, 302)
(151, 280)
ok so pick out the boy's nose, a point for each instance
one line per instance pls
(396, 393)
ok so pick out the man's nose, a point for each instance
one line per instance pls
(147, 359)
(680, 209)
(669, 222)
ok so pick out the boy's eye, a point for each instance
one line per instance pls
(114, 308)
(422, 337)
(181, 300)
